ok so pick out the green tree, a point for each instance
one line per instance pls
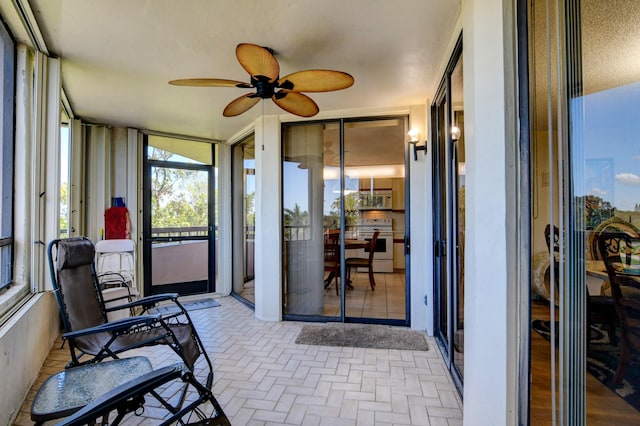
(64, 210)
(250, 208)
(295, 216)
(597, 210)
(179, 198)
(351, 211)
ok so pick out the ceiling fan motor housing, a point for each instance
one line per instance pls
(264, 87)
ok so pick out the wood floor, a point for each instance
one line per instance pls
(604, 407)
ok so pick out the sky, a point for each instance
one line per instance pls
(611, 132)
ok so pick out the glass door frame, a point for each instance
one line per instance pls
(147, 240)
(342, 122)
(239, 214)
(445, 226)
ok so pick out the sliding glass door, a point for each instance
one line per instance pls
(585, 187)
(449, 170)
(344, 220)
(244, 218)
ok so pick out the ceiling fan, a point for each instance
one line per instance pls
(264, 70)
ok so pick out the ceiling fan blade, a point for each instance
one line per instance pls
(316, 81)
(296, 103)
(209, 82)
(256, 60)
(240, 105)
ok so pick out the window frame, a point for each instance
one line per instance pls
(7, 122)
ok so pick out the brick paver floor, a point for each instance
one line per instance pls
(263, 378)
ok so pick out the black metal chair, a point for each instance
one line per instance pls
(91, 337)
(114, 391)
(118, 403)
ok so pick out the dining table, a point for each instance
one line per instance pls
(350, 244)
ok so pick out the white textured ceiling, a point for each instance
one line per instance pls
(118, 55)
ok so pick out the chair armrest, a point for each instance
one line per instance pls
(118, 325)
(146, 302)
(123, 393)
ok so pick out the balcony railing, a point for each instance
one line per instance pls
(191, 231)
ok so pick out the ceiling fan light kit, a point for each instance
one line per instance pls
(285, 92)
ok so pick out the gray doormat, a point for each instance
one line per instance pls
(191, 305)
(362, 336)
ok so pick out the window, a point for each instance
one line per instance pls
(7, 55)
(65, 145)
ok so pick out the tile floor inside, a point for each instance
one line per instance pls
(388, 301)
(262, 377)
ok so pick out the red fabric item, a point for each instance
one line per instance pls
(116, 222)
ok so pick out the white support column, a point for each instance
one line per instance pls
(99, 179)
(268, 261)
(133, 185)
(52, 161)
(490, 354)
(225, 231)
(119, 170)
(24, 175)
(77, 181)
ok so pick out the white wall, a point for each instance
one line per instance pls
(32, 331)
(420, 216)
(489, 356)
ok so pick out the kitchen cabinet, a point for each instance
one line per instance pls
(397, 186)
(398, 256)
(378, 183)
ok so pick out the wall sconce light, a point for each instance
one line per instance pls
(455, 133)
(414, 138)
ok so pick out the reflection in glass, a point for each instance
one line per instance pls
(303, 206)
(585, 184)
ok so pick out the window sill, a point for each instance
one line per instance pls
(11, 300)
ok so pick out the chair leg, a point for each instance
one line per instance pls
(623, 363)
(372, 281)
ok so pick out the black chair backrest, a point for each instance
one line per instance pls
(75, 283)
(611, 226)
(555, 242)
(610, 244)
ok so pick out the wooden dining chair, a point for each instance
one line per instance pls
(600, 307)
(625, 289)
(359, 262)
(332, 257)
